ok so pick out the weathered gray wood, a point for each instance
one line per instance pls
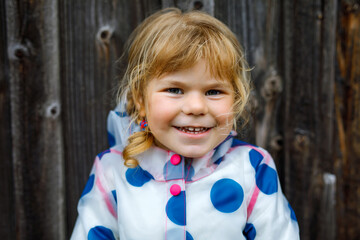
(188, 5)
(7, 207)
(308, 38)
(257, 26)
(290, 44)
(236, 15)
(92, 39)
(328, 205)
(32, 41)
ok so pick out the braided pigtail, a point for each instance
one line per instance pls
(138, 142)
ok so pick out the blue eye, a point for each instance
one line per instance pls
(174, 90)
(213, 92)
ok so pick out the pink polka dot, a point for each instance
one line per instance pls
(175, 189)
(175, 159)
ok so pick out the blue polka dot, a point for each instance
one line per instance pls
(100, 233)
(100, 155)
(249, 231)
(219, 160)
(114, 195)
(237, 142)
(121, 114)
(255, 158)
(188, 236)
(137, 176)
(226, 195)
(178, 233)
(292, 213)
(111, 139)
(266, 179)
(172, 172)
(175, 209)
(89, 185)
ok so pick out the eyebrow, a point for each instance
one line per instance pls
(172, 81)
(212, 84)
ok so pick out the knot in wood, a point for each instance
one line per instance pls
(301, 143)
(276, 143)
(198, 5)
(320, 16)
(53, 110)
(18, 52)
(104, 34)
(272, 87)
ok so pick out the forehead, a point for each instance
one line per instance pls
(199, 73)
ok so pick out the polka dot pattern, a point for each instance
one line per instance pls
(188, 236)
(100, 155)
(113, 192)
(178, 233)
(100, 233)
(218, 161)
(292, 213)
(111, 139)
(226, 195)
(122, 114)
(175, 209)
(89, 185)
(137, 177)
(237, 142)
(172, 172)
(249, 231)
(266, 179)
(255, 158)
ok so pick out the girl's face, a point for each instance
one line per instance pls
(189, 111)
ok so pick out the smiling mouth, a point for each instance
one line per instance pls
(192, 130)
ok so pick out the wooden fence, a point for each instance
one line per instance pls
(57, 81)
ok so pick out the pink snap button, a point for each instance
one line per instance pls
(175, 159)
(175, 189)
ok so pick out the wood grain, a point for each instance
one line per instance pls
(59, 74)
(91, 41)
(7, 206)
(33, 53)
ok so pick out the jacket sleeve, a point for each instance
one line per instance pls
(97, 217)
(270, 216)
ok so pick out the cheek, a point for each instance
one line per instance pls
(159, 110)
(224, 112)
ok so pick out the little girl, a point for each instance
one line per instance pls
(174, 170)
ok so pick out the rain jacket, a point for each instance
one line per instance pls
(233, 192)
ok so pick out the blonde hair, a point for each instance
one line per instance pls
(168, 41)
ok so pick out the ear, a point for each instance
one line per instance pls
(140, 106)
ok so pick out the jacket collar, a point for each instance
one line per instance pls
(157, 162)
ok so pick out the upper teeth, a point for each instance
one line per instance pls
(192, 129)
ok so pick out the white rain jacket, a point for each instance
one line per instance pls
(233, 192)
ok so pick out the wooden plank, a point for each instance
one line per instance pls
(32, 38)
(257, 26)
(92, 40)
(188, 5)
(347, 109)
(309, 79)
(7, 208)
(237, 16)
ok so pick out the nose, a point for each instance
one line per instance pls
(195, 104)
